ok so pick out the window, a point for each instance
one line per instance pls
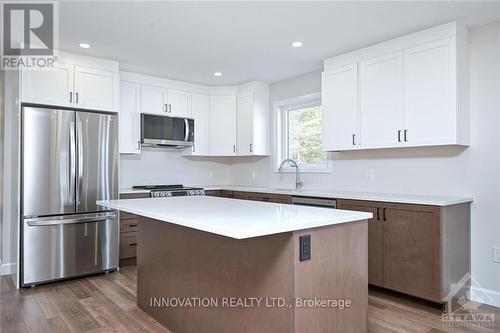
(299, 133)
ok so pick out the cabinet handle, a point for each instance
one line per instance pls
(132, 244)
(384, 214)
(71, 97)
(132, 225)
(399, 135)
(170, 108)
(166, 108)
(378, 213)
(234, 149)
(406, 135)
(251, 148)
(354, 139)
(76, 98)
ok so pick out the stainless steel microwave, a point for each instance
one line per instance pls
(165, 131)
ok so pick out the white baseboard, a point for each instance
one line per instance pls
(492, 297)
(7, 269)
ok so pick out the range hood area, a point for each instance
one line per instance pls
(160, 131)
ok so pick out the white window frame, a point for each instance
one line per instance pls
(281, 138)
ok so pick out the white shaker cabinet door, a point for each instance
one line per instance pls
(49, 86)
(200, 113)
(179, 103)
(129, 118)
(381, 111)
(96, 89)
(339, 99)
(245, 124)
(430, 94)
(153, 100)
(223, 125)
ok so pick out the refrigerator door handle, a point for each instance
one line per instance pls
(79, 142)
(47, 221)
(72, 160)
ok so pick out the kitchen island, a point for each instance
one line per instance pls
(209, 264)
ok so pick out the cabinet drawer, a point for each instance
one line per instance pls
(128, 225)
(128, 247)
(127, 216)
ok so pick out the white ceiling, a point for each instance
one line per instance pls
(246, 40)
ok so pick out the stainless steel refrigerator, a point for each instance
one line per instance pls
(69, 161)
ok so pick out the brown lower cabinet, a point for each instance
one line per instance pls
(128, 232)
(254, 196)
(418, 250)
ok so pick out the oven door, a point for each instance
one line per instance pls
(166, 131)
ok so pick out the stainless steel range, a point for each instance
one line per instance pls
(162, 191)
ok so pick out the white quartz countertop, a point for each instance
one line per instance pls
(238, 219)
(419, 199)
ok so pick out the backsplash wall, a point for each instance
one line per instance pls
(158, 166)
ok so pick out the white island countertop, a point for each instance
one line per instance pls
(238, 219)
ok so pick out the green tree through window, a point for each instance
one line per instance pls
(304, 136)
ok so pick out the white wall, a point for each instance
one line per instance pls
(159, 166)
(474, 171)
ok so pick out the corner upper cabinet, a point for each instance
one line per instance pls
(49, 86)
(178, 103)
(253, 124)
(129, 124)
(339, 104)
(200, 108)
(96, 89)
(154, 100)
(223, 125)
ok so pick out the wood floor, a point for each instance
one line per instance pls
(106, 303)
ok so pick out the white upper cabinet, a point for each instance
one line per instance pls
(430, 94)
(245, 124)
(223, 125)
(96, 89)
(154, 100)
(50, 87)
(253, 123)
(178, 103)
(74, 81)
(381, 113)
(339, 103)
(200, 106)
(129, 124)
(413, 91)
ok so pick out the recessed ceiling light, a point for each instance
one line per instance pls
(296, 44)
(217, 74)
(84, 45)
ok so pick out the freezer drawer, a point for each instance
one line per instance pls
(67, 246)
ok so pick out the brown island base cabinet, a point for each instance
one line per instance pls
(128, 232)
